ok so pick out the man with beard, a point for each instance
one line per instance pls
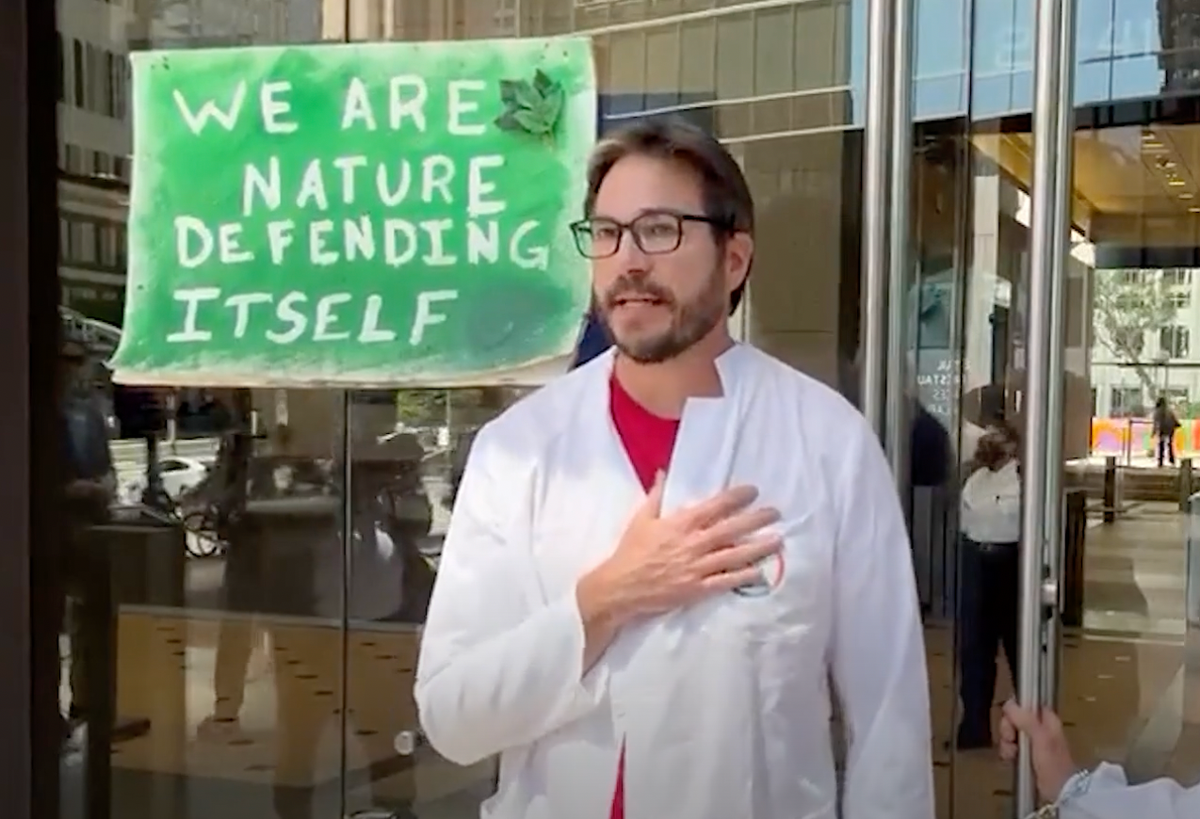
(657, 563)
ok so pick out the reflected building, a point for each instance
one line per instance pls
(1179, 33)
(94, 144)
(95, 136)
(419, 20)
(209, 23)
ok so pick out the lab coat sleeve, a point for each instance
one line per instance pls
(877, 648)
(500, 665)
(1109, 796)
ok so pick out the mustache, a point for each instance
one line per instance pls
(626, 287)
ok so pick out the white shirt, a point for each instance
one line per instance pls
(991, 505)
(1109, 796)
(724, 707)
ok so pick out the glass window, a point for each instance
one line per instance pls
(262, 640)
(108, 246)
(1177, 276)
(1127, 401)
(91, 77)
(109, 84)
(1173, 341)
(79, 70)
(62, 67)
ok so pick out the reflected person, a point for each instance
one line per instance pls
(89, 489)
(1165, 424)
(242, 580)
(990, 519)
(388, 590)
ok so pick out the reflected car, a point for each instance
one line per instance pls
(179, 476)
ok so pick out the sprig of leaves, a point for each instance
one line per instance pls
(532, 107)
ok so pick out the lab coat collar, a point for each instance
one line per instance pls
(702, 461)
(731, 369)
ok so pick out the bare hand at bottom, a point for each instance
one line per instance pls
(1052, 762)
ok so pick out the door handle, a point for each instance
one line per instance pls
(1050, 594)
(406, 742)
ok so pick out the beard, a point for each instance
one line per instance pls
(691, 320)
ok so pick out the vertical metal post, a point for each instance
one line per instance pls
(896, 416)
(880, 67)
(1048, 209)
(1064, 134)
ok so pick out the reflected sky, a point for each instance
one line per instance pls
(1118, 44)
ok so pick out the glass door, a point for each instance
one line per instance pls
(980, 347)
(200, 623)
(1103, 592)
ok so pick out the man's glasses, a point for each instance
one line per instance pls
(654, 232)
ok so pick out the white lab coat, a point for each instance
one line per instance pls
(724, 707)
(1109, 796)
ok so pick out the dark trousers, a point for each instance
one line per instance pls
(988, 619)
(1166, 447)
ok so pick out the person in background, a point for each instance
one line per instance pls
(88, 492)
(930, 453)
(1076, 793)
(990, 521)
(1165, 424)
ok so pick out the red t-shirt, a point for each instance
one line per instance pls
(648, 441)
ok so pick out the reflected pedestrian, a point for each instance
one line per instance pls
(990, 520)
(1165, 424)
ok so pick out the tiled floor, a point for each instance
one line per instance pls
(294, 696)
(1135, 573)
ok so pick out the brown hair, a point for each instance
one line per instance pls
(998, 444)
(726, 195)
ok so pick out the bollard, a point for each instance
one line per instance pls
(1074, 548)
(1192, 553)
(1185, 484)
(1110, 489)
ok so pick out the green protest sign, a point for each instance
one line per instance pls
(384, 214)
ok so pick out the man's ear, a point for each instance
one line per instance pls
(739, 255)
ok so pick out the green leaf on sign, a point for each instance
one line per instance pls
(508, 122)
(531, 121)
(508, 91)
(526, 95)
(533, 107)
(552, 104)
(542, 83)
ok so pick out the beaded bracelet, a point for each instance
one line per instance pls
(1076, 786)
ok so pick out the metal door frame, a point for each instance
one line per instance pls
(886, 178)
(1050, 230)
(29, 662)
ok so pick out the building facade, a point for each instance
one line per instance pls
(208, 668)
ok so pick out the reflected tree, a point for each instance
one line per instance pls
(1127, 306)
(458, 407)
(421, 408)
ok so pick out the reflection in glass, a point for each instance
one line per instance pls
(234, 645)
(408, 455)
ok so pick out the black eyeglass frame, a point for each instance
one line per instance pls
(578, 226)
